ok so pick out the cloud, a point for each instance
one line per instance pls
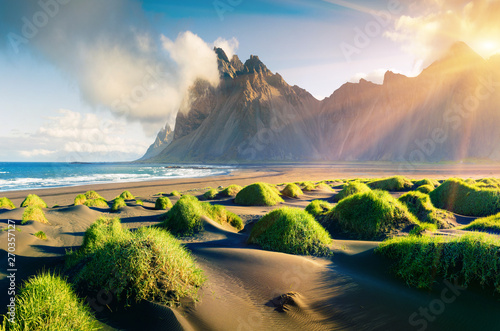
(118, 61)
(435, 24)
(229, 46)
(36, 152)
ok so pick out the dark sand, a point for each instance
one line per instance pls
(354, 290)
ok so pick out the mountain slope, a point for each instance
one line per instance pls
(451, 111)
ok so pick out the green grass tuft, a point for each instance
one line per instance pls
(211, 194)
(306, 186)
(425, 189)
(426, 181)
(420, 205)
(126, 195)
(163, 203)
(47, 302)
(40, 235)
(92, 195)
(258, 194)
(368, 215)
(422, 261)
(98, 203)
(230, 191)
(221, 215)
(175, 194)
(80, 199)
(5, 203)
(33, 200)
(396, 183)
(350, 189)
(318, 207)
(291, 230)
(118, 203)
(34, 213)
(147, 264)
(139, 202)
(323, 186)
(485, 224)
(459, 197)
(292, 191)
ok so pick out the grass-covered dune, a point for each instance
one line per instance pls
(420, 205)
(292, 191)
(258, 194)
(425, 188)
(368, 215)
(33, 200)
(230, 191)
(47, 302)
(291, 230)
(118, 203)
(396, 183)
(462, 198)
(318, 207)
(5, 203)
(126, 195)
(489, 224)
(34, 213)
(350, 189)
(426, 181)
(97, 202)
(163, 203)
(421, 261)
(211, 194)
(185, 217)
(147, 264)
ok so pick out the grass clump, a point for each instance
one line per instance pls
(485, 224)
(292, 191)
(97, 203)
(368, 215)
(34, 213)
(318, 207)
(307, 186)
(48, 302)
(211, 194)
(126, 195)
(163, 203)
(459, 197)
(175, 194)
(258, 194)
(420, 205)
(40, 235)
(118, 203)
(425, 189)
(230, 191)
(93, 195)
(184, 218)
(291, 230)
(80, 199)
(350, 189)
(426, 181)
(33, 200)
(493, 183)
(5, 203)
(421, 261)
(139, 202)
(323, 186)
(147, 264)
(396, 183)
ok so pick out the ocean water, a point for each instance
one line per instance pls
(26, 176)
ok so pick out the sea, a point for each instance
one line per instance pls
(16, 176)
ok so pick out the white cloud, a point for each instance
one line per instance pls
(229, 46)
(36, 152)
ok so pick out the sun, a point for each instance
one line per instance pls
(488, 47)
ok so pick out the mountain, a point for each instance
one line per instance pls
(163, 139)
(451, 111)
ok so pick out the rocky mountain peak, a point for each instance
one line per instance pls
(255, 65)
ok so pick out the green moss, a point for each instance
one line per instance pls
(485, 224)
(92, 195)
(350, 189)
(291, 230)
(80, 199)
(396, 183)
(147, 264)
(368, 215)
(34, 213)
(420, 205)
(230, 191)
(163, 203)
(422, 261)
(126, 195)
(292, 191)
(118, 203)
(40, 235)
(459, 197)
(47, 302)
(318, 207)
(175, 194)
(258, 194)
(425, 189)
(98, 203)
(211, 194)
(5, 203)
(33, 200)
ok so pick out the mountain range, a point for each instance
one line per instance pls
(450, 112)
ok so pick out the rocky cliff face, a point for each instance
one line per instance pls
(163, 139)
(451, 111)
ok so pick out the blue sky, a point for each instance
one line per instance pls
(99, 79)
